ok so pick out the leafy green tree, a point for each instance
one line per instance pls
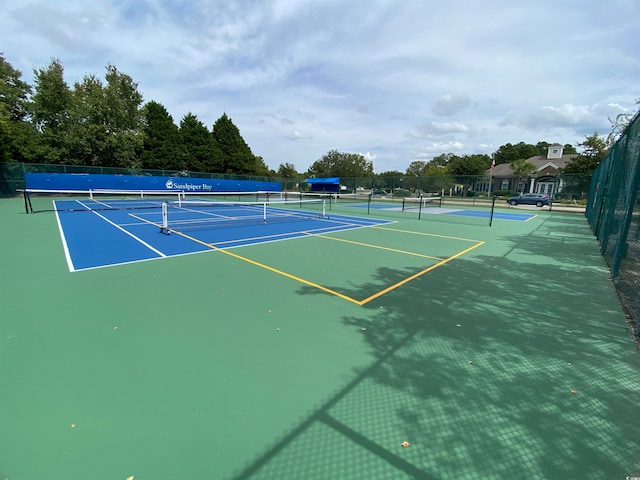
(340, 164)
(508, 153)
(287, 170)
(17, 136)
(522, 168)
(569, 149)
(469, 169)
(416, 168)
(160, 138)
(436, 173)
(198, 153)
(433, 169)
(106, 121)
(441, 160)
(542, 147)
(236, 154)
(51, 105)
(594, 149)
(466, 165)
(5, 140)
(124, 118)
(262, 169)
(14, 92)
(618, 126)
(391, 173)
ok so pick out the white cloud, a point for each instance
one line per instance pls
(352, 75)
(297, 135)
(369, 157)
(450, 104)
(439, 129)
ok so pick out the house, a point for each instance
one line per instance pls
(542, 181)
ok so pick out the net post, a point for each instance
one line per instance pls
(493, 206)
(165, 220)
(324, 210)
(90, 194)
(419, 206)
(369, 204)
(264, 212)
(27, 202)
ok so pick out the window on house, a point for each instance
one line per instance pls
(504, 185)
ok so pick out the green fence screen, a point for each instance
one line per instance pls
(613, 212)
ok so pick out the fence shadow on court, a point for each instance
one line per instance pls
(518, 366)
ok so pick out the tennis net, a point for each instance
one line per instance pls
(89, 200)
(198, 213)
(419, 203)
(331, 198)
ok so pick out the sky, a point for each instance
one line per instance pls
(395, 81)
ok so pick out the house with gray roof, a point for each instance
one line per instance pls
(542, 180)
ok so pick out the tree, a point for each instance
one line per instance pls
(522, 167)
(14, 93)
(16, 133)
(618, 125)
(51, 106)
(287, 170)
(198, 152)
(236, 154)
(390, 180)
(106, 121)
(339, 164)
(509, 153)
(290, 176)
(262, 170)
(594, 149)
(468, 169)
(160, 138)
(441, 160)
(416, 168)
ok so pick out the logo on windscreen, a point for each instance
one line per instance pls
(169, 184)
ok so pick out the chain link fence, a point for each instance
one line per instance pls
(613, 212)
(570, 189)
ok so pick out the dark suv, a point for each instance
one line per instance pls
(537, 199)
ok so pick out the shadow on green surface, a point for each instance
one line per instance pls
(511, 366)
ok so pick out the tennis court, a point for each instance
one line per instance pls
(493, 352)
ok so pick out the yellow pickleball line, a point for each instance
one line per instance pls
(425, 234)
(328, 290)
(267, 267)
(422, 272)
(380, 247)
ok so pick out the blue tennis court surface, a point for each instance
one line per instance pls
(460, 212)
(102, 236)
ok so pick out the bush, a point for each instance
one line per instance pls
(503, 193)
(401, 192)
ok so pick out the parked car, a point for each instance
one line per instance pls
(537, 199)
(379, 193)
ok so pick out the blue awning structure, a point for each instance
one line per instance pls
(324, 184)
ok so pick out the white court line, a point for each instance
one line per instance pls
(125, 231)
(65, 247)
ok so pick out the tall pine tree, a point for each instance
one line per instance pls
(236, 154)
(198, 151)
(161, 139)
